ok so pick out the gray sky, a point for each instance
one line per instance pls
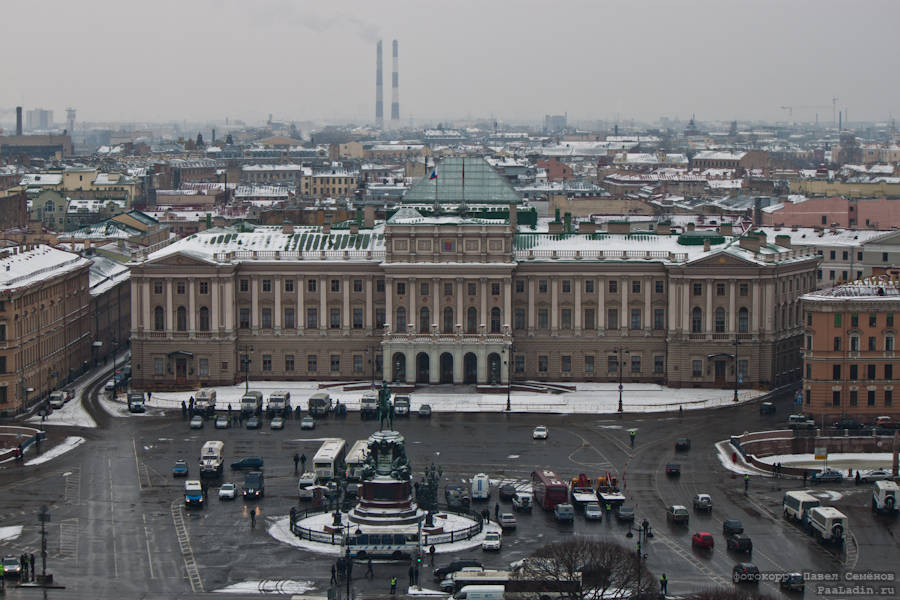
(515, 60)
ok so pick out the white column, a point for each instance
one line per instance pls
(229, 305)
(674, 315)
(531, 307)
(460, 317)
(436, 292)
(601, 305)
(276, 288)
(648, 304)
(410, 366)
(577, 283)
(685, 313)
(483, 320)
(370, 310)
(731, 300)
(412, 317)
(301, 306)
(507, 303)
(214, 290)
(135, 307)
(434, 366)
(624, 313)
(192, 306)
(554, 306)
(709, 295)
(169, 315)
(389, 310)
(458, 366)
(323, 306)
(254, 304)
(345, 311)
(148, 313)
(481, 377)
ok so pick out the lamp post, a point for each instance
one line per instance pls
(43, 517)
(619, 367)
(509, 368)
(245, 363)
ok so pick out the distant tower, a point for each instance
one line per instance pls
(18, 120)
(379, 90)
(395, 90)
(70, 120)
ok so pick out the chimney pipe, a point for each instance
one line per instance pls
(18, 120)
(395, 88)
(379, 90)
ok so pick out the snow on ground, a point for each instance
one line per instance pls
(68, 444)
(72, 414)
(420, 591)
(280, 529)
(10, 532)
(724, 450)
(856, 460)
(268, 586)
(590, 398)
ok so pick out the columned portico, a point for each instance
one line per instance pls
(443, 357)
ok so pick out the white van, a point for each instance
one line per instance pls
(828, 523)
(885, 496)
(481, 487)
(212, 458)
(480, 592)
(57, 399)
(305, 484)
(796, 505)
(205, 400)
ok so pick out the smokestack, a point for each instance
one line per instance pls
(395, 88)
(18, 120)
(379, 90)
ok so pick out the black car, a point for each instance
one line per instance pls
(732, 527)
(457, 497)
(767, 408)
(673, 469)
(254, 485)
(682, 444)
(847, 423)
(739, 543)
(625, 513)
(507, 491)
(441, 572)
(745, 573)
(249, 462)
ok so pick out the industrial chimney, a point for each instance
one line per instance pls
(395, 89)
(379, 90)
(18, 120)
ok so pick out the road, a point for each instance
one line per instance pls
(119, 525)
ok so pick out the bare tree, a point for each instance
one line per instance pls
(586, 568)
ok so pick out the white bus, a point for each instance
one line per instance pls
(797, 504)
(329, 460)
(356, 459)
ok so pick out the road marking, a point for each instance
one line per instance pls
(147, 540)
(604, 464)
(112, 517)
(184, 542)
(73, 485)
(68, 538)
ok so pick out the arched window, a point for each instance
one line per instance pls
(743, 320)
(159, 319)
(720, 320)
(181, 319)
(696, 320)
(495, 320)
(401, 319)
(448, 319)
(424, 320)
(472, 320)
(204, 318)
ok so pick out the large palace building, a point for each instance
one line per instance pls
(464, 285)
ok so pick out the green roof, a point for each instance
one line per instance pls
(482, 184)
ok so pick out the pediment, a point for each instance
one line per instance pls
(722, 259)
(180, 260)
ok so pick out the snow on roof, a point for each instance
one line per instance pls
(21, 267)
(871, 288)
(40, 179)
(719, 155)
(105, 273)
(111, 179)
(808, 236)
(288, 167)
(254, 191)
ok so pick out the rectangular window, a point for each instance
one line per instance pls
(870, 371)
(613, 286)
(854, 320)
(473, 290)
(809, 319)
(808, 371)
(519, 318)
(520, 286)
(312, 318)
(312, 363)
(589, 365)
(158, 286)
(589, 286)
(888, 397)
(401, 288)
(357, 318)
(288, 285)
(636, 286)
(542, 318)
(267, 285)
(566, 286)
(311, 285)
(612, 318)
(335, 285)
(267, 318)
(2, 332)
(244, 318)
(334, 318)
(873, 320)
(159, 367)
(659, 362)
(660, 286)
(204, 287)
(697, 368)
(884, 257)
(720, 289)
(836, 398)
(871, 343)
(635, 318)
(289, 322)
(379, 286)
(566, 318)
(870, 397)
(244, 285)
(379, 318)
(889, 372)
(844, 255)
(543, 363)
(203, 367)
(520, 363)
(179, 287)
(744, 289)
(854, 343)
(424, 288)
(495, 289)
(357, 285)
(837, 344)
(742, 369)
(566, 363)
(267, 362)
(357, 363)
(589, 318)
(659, 318)
(288, 363)
(612, 364)
(542, 286)
(831, 275)
(854, 372)
(832, 254)
(335, 363)
(836, 372)
(890, 319)
(698, 289)
(635, 363)
(854, 397)
(448, 289)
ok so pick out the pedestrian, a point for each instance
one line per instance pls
(369, 572)
(850, 472)
(497, 511)
(303, 461)
(148, 397)
(680, 411)
(663, 584)
(183, 409)
(296, 462)
(857, 478)
(23, 568)
(746, 483)
(2, 577)
(333, 574)
(412, 575)
(20, 452)
(252, 518)
(631, 434)
(804, 477)
(31, 561)
(645, 525)
(431, 552)
(393, 585)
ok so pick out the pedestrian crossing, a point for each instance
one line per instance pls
(73, 485)
(184, 542)
(68, 539)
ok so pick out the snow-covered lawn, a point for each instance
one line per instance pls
(68, 444)
(855, 460)
(268, 586)
(10, 532)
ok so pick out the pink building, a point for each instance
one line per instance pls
(858, 213)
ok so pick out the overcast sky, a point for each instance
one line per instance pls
(513, 60)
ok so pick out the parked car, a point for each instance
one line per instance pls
(248, 462)
(276, 423)
(11, 565)
(732, 526)
(564, 513)
(401, 406)
(745, 573)
(703, 502)
(425, 410)
(228, 491)
(492, 541)
(625, 513)
(792, 582)
(180, 468)
(593, 512)
(739, 543)
(196, 422)
(253, 422)
(522, 501)
(875, 475)
(506, 491)
(457, 497)
(540, 433)
(682, 444)
(222, 422)
(307, 423)
(827, 476)
(677, 513)
(767, 408)
(847, 423)
(507, 521)
(673, 469)
(703, 539)
(441, 572)
(110, 385)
